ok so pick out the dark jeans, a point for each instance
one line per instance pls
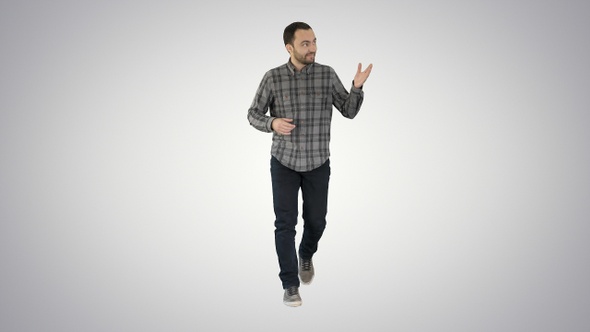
(285, 189)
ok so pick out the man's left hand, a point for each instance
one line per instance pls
(361, 76)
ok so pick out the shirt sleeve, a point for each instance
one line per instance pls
(349, 104)
(260, 105)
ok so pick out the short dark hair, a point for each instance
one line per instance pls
(289, 34)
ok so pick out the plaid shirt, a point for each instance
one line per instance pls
(307, 98)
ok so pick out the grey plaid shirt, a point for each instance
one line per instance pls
(307, 98)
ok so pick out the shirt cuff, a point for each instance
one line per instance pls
(269, 124)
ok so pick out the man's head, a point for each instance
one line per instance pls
(300, 42)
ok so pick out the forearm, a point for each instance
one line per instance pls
(349, 104)
(260, 121)
(353, 103)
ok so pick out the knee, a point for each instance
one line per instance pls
(286, 223)
(316, 225)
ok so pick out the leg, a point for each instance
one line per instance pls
(315, 207)
(285, 190)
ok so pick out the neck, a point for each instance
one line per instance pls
(298, 65)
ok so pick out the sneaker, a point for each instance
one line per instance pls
(291, 297)
(306, 270)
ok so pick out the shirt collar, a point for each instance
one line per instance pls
(291, 67)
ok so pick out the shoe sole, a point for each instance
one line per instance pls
(292, 304)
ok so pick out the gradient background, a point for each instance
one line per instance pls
(134, 195)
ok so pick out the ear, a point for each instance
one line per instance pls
(289, 48)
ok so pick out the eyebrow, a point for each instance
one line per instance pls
(307, 41)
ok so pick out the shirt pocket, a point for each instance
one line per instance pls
(317, 100)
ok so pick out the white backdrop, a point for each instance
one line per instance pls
(134, 195)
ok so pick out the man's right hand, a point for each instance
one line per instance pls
(282, 126)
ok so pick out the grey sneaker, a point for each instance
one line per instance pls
(306, 270)
(291, 297)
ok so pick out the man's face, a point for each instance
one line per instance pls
(304, 47)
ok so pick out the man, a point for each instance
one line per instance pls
(300, 95)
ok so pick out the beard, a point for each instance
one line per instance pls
(306, 59)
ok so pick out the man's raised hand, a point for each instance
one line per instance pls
(361, 76)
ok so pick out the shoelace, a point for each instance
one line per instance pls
(306, 264)
(292, 291)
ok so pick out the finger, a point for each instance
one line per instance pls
(287, 127)
(360, 67)
(367, 72)
(288, 120)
